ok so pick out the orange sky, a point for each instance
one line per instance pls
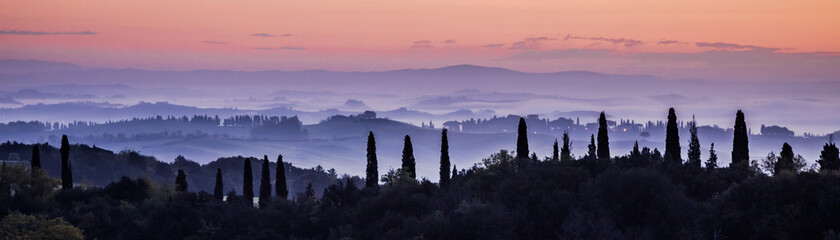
(388, 34)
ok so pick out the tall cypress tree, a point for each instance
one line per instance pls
(181, 181)
(672, 139)
(522, 140)
(36, 159)
(603, 139)
(635, 154)
(454, 171)
(248, 181)
(566, 150)
(444, 159)
(712, 162)
(740, 143)
(66, 174)
(372, 170)
(408, 161)
(829, 157)
(694, 146)
(265, 184)
(592, 153)
(785, 160)
(555, 153)
(280, 187)
(219, 190)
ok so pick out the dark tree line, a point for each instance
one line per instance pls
(640, 195)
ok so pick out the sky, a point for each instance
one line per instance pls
(712, 39)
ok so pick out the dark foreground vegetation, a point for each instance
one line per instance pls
(644, 194)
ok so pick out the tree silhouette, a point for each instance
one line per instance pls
(372, 170)
(219, 190)
(555, 152)
(829, 157)
(444, 159)
(36, 159)
(454, 171)
(309, 193)
(248, 181)
(265, 184)
(566, 150)
(66, 171)
(603, 138)
(592, 149)
(522, 140)
(672, 139)
(181, 181)
(740, 143)
(693, 147)
(635, 153)
(408, 161)
(280, 187)
(785, 160)
(711, 164)
(656, 157)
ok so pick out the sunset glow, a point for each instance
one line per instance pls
(335, 35)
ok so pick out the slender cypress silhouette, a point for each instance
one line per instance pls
(829, 156)
(248, 181)
(265, 184)
(566, 150)
(740, 143)
(219, 190)
(592, 153)
(694, 146)
(454, 171)
(785, 160)
(66, 171)
(522, 140)
(603, 138)
(672, 139)
(408, 161)
(555, 152)
(181, 181)
(635, 154)
(36, 159)
(372, 170)
(712, 162)
(444, 159)
(280, 187)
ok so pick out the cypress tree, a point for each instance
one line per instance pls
(555, 153)
(408, 161)
(372, 170)
(712, 162)
(280, 187)
(635, 154)
(592, 150)
(672, 138)
(248, 181)
(454, 171)
(522, 140)
(265, 184)
(694, 146)
(310, 192)
(829, 157)
(218, 191)
(181, 181)
(66, 174)
(36, 159)
(566, 150)
(740, 143)
(785, 160)
(444, 159)
(603, 139)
